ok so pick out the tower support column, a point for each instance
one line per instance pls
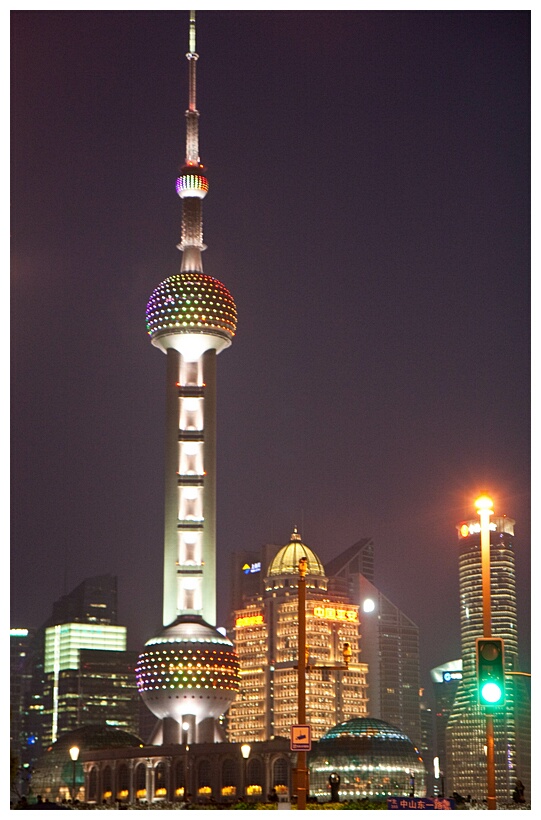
(209, 498)
(171, 731)
(170, 557)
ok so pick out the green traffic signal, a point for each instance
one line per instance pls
(491, 693)
(490, 671)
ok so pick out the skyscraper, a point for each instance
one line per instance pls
(190, 317)
(72, 653)
(389, 643)
(93, 601)
(21, 738)
(445, 679)
(466, 732)
(266, 639)
(77, 669)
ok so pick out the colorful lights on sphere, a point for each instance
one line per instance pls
(190, 668)
(192, 183)
(191, 302)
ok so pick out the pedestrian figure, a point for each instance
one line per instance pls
(518, 793)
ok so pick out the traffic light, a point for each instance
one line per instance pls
(490, 671)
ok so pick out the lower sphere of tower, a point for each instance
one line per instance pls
(189, 668)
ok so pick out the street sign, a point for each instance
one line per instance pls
(301, 738)
(407, 803)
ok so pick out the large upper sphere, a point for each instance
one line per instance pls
(188, 303)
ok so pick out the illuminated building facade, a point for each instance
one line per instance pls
(390, 642)
(21, 738)
(445, 680)
(466, 732)
(77, 669)
(189, 672)
(210, 772)
(266, 635)
(88, 678)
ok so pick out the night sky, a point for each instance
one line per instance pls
(369, 210)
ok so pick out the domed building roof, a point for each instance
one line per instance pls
(365, 727)
(373, 759)
(286, 561)
(54, 772)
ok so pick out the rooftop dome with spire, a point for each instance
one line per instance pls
(286, 561)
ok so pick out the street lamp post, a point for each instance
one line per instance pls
(185, 738)
(484, 508)
(245, 752)
(301, 682)
(302, 668)
(74, 754)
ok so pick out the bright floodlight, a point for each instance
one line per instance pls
(484, 503)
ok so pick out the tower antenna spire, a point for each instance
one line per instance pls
(192, 57)
(192, 32)
(192, 184)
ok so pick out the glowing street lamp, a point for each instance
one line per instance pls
(484, 508)
(74, 754)
(301, 682)
(245, 750)
(185, 738)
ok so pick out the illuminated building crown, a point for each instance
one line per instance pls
(286, 561)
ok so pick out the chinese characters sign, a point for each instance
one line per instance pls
(406, 803)
(333, 613)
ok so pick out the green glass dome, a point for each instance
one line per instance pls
(365, 727)
(372, 758)
(55, 771)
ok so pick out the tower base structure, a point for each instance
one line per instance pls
(169, 731)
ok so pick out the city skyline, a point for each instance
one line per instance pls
(370, 212)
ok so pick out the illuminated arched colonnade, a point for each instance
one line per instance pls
(207, 771)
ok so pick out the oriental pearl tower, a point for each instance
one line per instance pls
(188, 675)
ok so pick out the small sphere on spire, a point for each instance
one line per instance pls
(191, 182)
